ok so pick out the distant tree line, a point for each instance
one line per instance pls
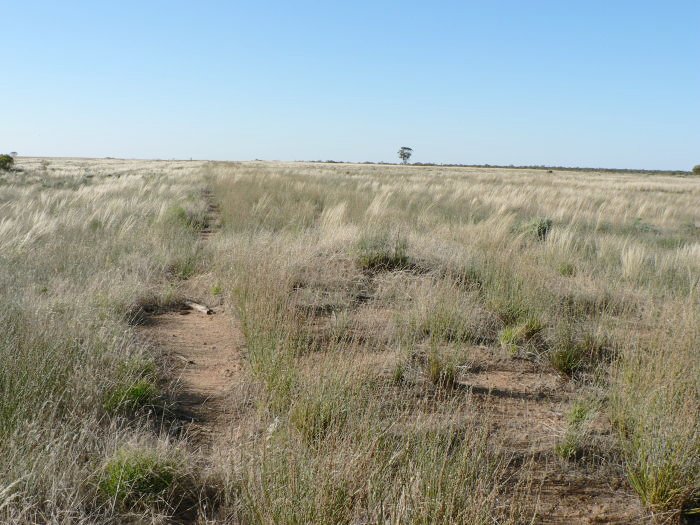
(696, 169)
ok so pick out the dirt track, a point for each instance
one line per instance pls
(205, 351)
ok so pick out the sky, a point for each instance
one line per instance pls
(571, 83)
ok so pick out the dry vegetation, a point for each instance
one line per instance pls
(423, 345)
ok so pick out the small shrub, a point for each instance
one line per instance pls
(137, 476)
(382, 252)
(216, 290)
(696, 169)
(6, 162)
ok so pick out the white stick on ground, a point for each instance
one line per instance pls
(199, 307)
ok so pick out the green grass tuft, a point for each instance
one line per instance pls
(131, 397)
(137, 476)
(382, 252)
(323, 407)
(195, 221)
(512, 337)
(567, 269)
(441, 370)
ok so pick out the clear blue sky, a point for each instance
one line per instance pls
(587, 83)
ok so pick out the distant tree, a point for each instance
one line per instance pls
(405, 153)
(6, 162)
(13, 154)
(696, 169)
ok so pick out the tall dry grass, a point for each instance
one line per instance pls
(355, 272)
(83, 244)
(363, 292)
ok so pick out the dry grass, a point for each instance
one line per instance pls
(367, 295)
(78, 255)
(420, 264)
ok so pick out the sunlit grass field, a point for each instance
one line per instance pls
(380, 306)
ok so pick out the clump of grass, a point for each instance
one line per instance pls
(398, 373)
(654, 404)
(217, 290)
(644, 227)
(441, 370)
(135, 387)
(447, 324)
(189, 219)
(570, 447)
(540, 228)
(184, 266)
(508, 305)
(663, 470)
(451, 473)
(573, 444)
(567, 359)
(573, 352)
(512, 337)
(140, 367)
(321, 407)
(382, 251)
(274, 365)
(443, 312)
(130, 397)
(579, 413)
(137, 476)
(567, 269)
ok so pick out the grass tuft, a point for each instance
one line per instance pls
(441, 370)
(131, 397)
(513, 337)
(320, 408)
(188, 219)
(382, 251)
(136, 476)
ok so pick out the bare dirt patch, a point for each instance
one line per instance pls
(527, 405)
(205, 352)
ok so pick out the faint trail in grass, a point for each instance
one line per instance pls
(204, 351)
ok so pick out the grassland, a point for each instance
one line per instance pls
(422, 344)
